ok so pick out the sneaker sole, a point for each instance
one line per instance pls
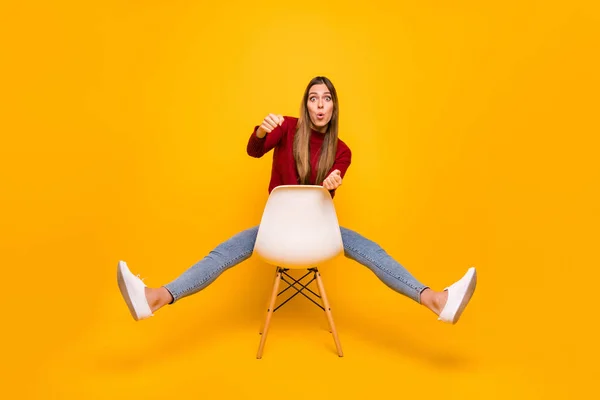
(467, 297)
(125, 291)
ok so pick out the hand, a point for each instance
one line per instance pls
(333, 181)
(269, 123)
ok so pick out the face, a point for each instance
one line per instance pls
(320, 106)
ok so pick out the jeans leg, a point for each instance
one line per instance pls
(229, 253)
(371, 255)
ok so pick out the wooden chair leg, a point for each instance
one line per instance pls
(319, 293)
(329, 315)
(263, 338)
(262, 326)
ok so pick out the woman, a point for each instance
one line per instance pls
(306, 151)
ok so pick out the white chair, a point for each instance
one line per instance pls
(299, 230)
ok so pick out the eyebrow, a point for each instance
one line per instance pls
(318, 93)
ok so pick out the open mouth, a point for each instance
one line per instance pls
(320, 116)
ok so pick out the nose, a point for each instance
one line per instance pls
(320, 104)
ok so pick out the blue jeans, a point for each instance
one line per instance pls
(240, 247)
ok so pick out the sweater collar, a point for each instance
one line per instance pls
(317, 133)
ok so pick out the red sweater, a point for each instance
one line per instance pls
(284, 170)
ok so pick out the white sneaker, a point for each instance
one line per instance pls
(459, 294)
(133, 292)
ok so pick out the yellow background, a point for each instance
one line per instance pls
(473, 127)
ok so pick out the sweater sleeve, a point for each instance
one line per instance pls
(342, 162)
(258, 147)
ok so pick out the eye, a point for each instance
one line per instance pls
(313, 98)
(328, 98)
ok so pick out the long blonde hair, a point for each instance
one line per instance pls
(301, 139)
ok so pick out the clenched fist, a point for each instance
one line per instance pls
(269, 123)
(333, 181)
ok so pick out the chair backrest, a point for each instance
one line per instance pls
(299, 227)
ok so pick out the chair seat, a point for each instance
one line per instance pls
(299, 227)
